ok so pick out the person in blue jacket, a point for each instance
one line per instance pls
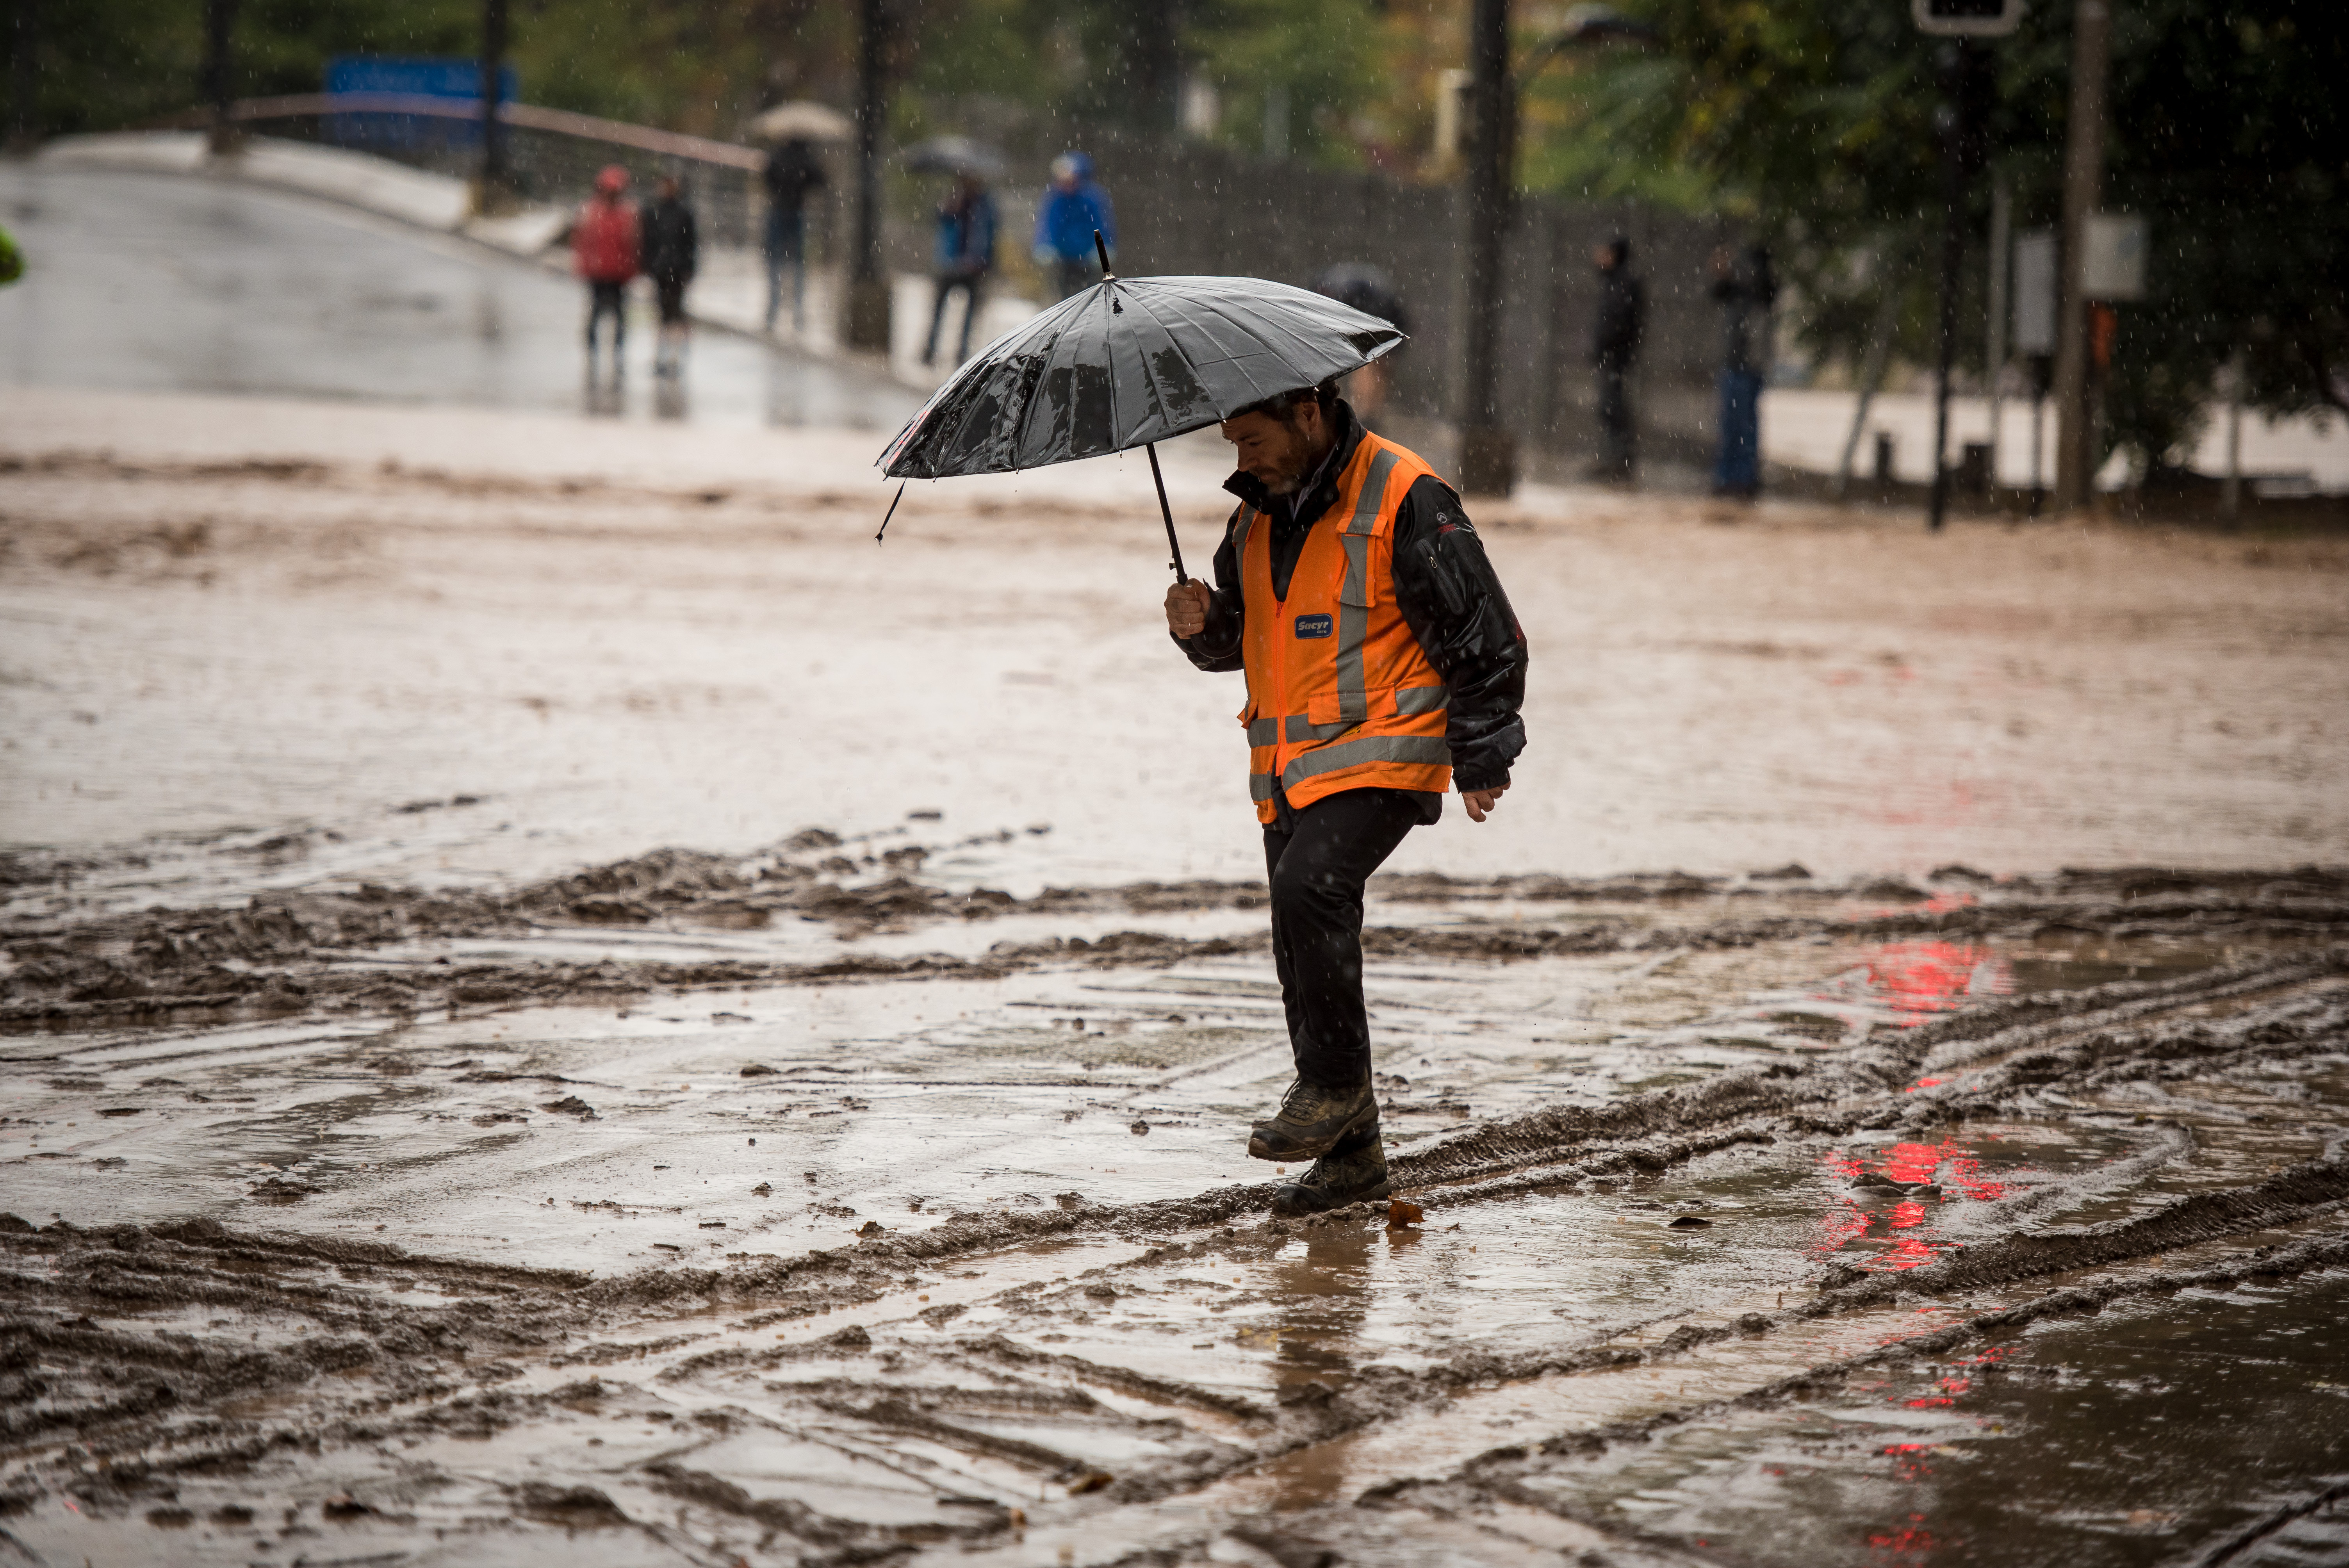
(965, 255)
(1074, 205)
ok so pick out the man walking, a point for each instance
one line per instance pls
(604, 251)
(1074, 205)
(1615, 337)
(1383, 666)
(672, 256)
(791, 171)
(1745, 288)
(965, 255)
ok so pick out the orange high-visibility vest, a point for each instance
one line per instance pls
(1340, 695)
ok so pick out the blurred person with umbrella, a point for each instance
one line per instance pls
(791, 172)
(966, 229)
(965, 255)
(1073, 222)
(1370, 290)
(1382, 661)
(604, 252)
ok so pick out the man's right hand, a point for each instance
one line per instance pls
(1186, 608)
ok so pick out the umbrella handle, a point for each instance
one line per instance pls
(1166, 511)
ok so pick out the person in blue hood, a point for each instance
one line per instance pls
(1074, 205)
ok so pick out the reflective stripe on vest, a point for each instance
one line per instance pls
(1338, 647)
(1354, 599)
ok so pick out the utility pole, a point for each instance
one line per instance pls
(2084, 178)
(868, 290)
(495, 181)
(219, 25)
(1488, 454)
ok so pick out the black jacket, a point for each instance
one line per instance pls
(1622, 319)
(672, 245)
(1444, 584)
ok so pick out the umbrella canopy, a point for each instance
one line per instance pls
(1128, 362)
(955, 155)
(799, 121)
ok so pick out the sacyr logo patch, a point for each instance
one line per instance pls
(1312, 626)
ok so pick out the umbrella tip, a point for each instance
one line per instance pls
(1100, 248)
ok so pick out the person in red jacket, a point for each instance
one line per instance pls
(604, 251)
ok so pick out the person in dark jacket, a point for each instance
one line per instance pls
(965, 255)
(1615, 337)
(792, 170)
(1350, 584)
(672, 254)
(1745, 288)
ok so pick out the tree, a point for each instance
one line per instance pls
(1816, 123)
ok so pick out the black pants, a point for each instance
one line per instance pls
(1318, 867)
(607, 299)
(1616, 436)
(972, 289)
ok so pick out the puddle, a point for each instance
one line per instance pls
(2160, 1430)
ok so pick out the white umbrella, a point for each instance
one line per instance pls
(799, 121)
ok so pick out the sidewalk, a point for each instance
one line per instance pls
(731, 294)
(1803, 428)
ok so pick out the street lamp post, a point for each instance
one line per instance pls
(1962, 72)
(2084, 178)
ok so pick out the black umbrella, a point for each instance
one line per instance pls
(955, 155)
(1129, 363)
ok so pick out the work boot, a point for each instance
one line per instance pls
(1337, 1179)
(1312, 1117)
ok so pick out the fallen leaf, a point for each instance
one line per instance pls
(1399, 1213)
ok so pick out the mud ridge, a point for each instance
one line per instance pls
(310, 951)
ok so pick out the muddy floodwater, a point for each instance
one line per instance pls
(555, 1012)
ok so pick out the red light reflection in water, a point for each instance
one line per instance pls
(1919, 979)
(1908, 1459)
(1913, 1166)
(1911, 1543)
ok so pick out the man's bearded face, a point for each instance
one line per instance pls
(1276, 452)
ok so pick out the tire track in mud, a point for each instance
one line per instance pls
(1494, 1471)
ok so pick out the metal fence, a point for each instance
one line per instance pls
(1192, 207)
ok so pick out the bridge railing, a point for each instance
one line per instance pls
(553, 153)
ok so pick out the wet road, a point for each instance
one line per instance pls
(163, 282)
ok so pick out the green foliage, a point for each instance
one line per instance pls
(105, 62)
(1814, 121)
(2231, 134)
(1320, 53)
